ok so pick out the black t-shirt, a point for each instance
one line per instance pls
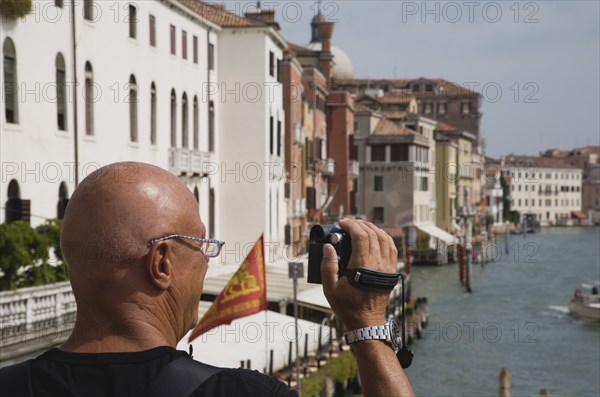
(58, 373)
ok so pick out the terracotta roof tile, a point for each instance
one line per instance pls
(444, 87)
(445, 127)
(217, 14)
(386, 127)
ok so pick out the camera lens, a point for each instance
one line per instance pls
(335, 238)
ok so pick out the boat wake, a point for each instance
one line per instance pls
(561, 309)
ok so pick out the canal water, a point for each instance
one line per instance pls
(516, 317)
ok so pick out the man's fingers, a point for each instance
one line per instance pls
(384, 242)
(329, 267)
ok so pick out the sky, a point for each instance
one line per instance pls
(536, 63)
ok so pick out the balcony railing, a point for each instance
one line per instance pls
(28, 314)
(328, 167)
(189, 162)
(353, 169)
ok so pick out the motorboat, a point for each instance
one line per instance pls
(585, 305)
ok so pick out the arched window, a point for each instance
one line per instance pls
(173, 118)
(196, 124)
(63, 200)
(153, 114)
(15, 208)
(89, 99)
(211, 126)
(184, 121)
(61, 92)
(10, 82)
(133, 99)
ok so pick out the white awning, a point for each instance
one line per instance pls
(438, 233)
(251, 338)
(314, 298)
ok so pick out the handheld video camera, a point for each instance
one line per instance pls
(327, 234)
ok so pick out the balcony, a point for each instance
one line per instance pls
(328, 167)
(189, 162)
(353, 169)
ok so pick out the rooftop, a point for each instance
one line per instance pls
(540, 162)
(388, 128)
(217, 14)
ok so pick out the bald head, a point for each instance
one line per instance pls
(117, 209)
(119, 280)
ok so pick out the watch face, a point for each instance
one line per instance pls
(395, 334)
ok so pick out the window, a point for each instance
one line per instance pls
(195, 49)
(519, 187)
(441, 108)
(416, 88)
(89, 98)
(61, 92)
(278, 66)
(184, 121)
(424, 184)
(519, 202)
(465, 108)
(10, 82)
(271, 137)
(211, 126)
(184, 44)
(88, 10)
(271, 64)
(196, 124)
(173, 45)
(378, 215)
(173, 118)
(133, 119)
(377, 152)
(378, 183)
(58, 3)
(132, 21)
(428, 108)
(429, 87)
(152, 31)
(278, 137)
(63, 200)
(211, 56)
(153, 114)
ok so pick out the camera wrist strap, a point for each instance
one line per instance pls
(371, 279)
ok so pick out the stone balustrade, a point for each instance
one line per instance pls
(35, 315)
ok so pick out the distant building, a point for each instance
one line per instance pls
(438, 99)
(588, 159)
(548, 188)
(591, 194)
(397, 187)
(446, 152)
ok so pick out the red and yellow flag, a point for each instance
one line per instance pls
(244, 294)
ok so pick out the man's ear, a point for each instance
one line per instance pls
(159, 266)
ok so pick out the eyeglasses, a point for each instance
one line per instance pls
(209, 247)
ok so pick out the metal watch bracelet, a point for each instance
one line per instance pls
(386, 332)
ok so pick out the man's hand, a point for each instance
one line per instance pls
(373, 249)
(379, 370)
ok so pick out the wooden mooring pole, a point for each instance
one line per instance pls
(504, 383)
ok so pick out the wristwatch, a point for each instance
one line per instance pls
(388, 332)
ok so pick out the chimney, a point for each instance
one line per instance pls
(265, 16)
(325, 33)
(326, 57)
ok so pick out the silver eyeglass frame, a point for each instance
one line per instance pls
(219, 243)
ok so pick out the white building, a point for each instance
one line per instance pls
(252, 136)
(150, 85)
(546, 187)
